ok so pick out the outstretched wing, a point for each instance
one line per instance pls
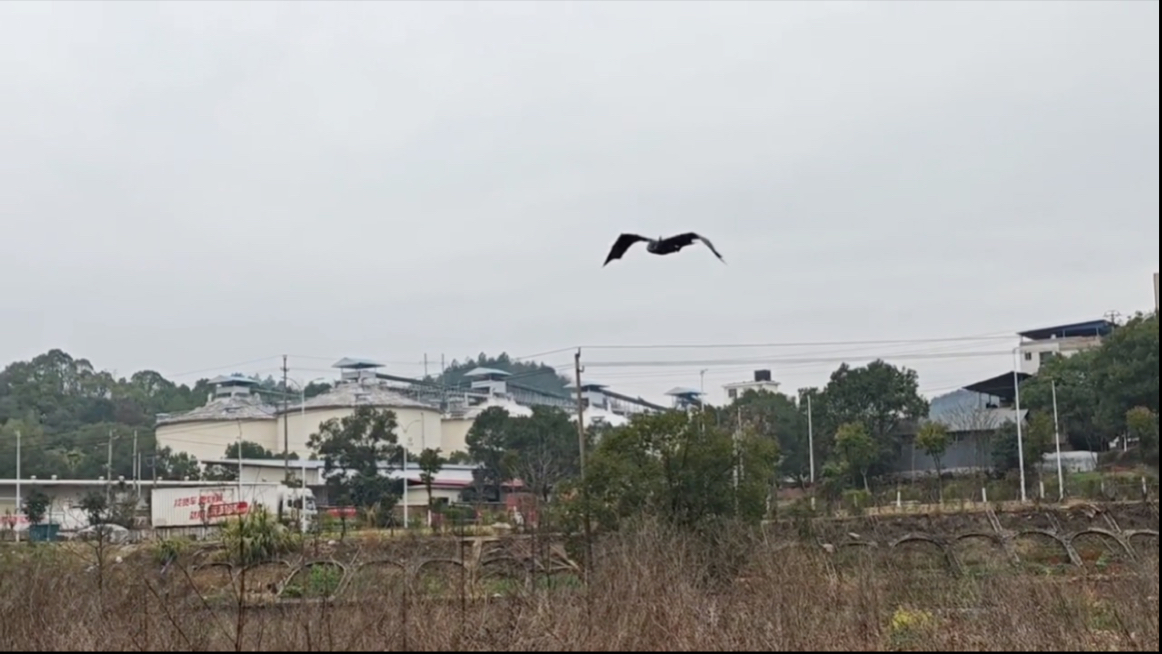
(621, 245)
(682, 240)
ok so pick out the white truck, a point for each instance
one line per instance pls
(207, 506)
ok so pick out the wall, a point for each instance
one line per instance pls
(300, 427)
(66, 500)
(1031, 351)
(968, 452)
(209, 439)
(454, 432)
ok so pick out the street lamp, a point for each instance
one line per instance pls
(1017, 407)
(810, 438)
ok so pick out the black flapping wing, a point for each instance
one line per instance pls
(622, 244)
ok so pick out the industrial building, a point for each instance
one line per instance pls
(428, 415)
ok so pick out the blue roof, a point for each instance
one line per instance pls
(1001, 386)
(1088, 328)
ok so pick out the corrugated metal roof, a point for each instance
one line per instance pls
(351, 394)
(356, 363)
(483, 372)
(515, 410)
(1086, 328)
(681, 390)
(234, 380)
(234, 407)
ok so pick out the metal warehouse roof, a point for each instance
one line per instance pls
(355, 363)
(484, 372)
(352, 394)
(236, 407)
(1087, 328)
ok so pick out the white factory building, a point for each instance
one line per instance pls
(428, 415)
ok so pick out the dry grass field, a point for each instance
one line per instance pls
(651, 589)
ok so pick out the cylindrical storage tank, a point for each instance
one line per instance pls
(207, 431)
(418, 422)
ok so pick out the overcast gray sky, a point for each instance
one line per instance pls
(188, 186)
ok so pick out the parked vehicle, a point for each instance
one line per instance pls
(111, 533)
(212, 505)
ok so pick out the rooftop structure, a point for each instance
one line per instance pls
(1039, 345)
(685, 397)
(231, 400)
(761, 382)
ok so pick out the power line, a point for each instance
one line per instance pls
(724, 362)
(721, 346)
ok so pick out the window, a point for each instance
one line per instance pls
(1028, 356)
(732, 393)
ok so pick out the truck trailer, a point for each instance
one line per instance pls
(212, 505)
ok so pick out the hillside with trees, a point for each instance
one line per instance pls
(67, 412)
(722, 461)
(526, 373)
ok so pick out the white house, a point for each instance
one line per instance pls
(1038, 345)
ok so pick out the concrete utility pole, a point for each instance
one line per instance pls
(581, 448)
(1057, 441)
(1017, 419)
(109, 472)
(285, 423)
(19, 508)
(136, 467)
(810, 441)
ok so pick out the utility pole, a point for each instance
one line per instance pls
(581, 445)
(425, 366)
(737, 458)
(19, 508)
(109, 472)
(1112, 315)
(1057, 441)
(702, 398)
(285, 426)
(136, 467)
(1020, 432)
(810, 441)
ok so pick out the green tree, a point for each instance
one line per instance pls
(459, 457)
(431, 463)
(1096, 387)
(65, 410)
(250, 450)
(856, 450)
(1037, 438)
(175, 465)
(36, 505)
(776, 417)
(1077, 398)
(353, 448)
(883, 398)
(96, 507)
(540, 449)
(524, 373)
(1142, 425)
(1125, 370)
(933, 439)
(679, 468)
